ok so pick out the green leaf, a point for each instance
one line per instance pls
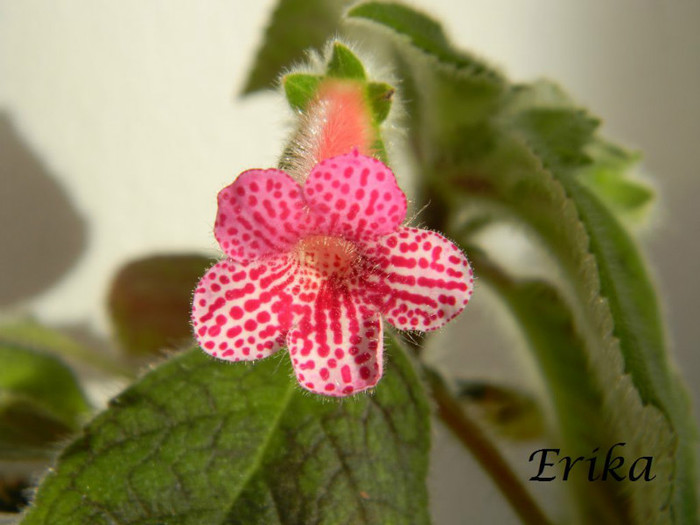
(40, 402)
(43, 379)
(626, 197)
(380, 96)
(590, 246)
(201, 441)
(608, 178)
(563, 137)
(558, 140)
(300, 89)
(150, 301)
(421, 31)
(558, 135)
(344, 64)
(515, 155)
(296, 25)
(623, 278)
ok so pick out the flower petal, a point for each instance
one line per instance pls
(336, 349)
(355, 197)
(425, 279)
(261, 213)
(242, 311)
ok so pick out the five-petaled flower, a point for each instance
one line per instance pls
(316, 267)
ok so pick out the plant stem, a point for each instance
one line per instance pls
(485, 452)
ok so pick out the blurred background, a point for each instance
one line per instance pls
(119, 123)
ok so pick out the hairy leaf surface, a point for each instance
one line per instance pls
(199, 441)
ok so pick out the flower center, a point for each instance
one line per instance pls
(330, 256)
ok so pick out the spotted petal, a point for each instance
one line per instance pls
(336, 349)
(242, 311)
(424, 278)
(261, 213)
(355, 197)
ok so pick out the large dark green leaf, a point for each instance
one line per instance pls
(201, 441)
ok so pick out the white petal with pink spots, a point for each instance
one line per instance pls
(242, 311)
(316, 267)
(355, 197)
(261, 213)
(426, 279)
(337, 348)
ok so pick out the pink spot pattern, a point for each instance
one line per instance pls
(315, 268)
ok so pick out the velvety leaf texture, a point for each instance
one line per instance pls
(199, 441)
(492, 149)
(558, 134)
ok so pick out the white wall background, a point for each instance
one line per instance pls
(130, 106)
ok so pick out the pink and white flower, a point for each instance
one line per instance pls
(316, 267)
